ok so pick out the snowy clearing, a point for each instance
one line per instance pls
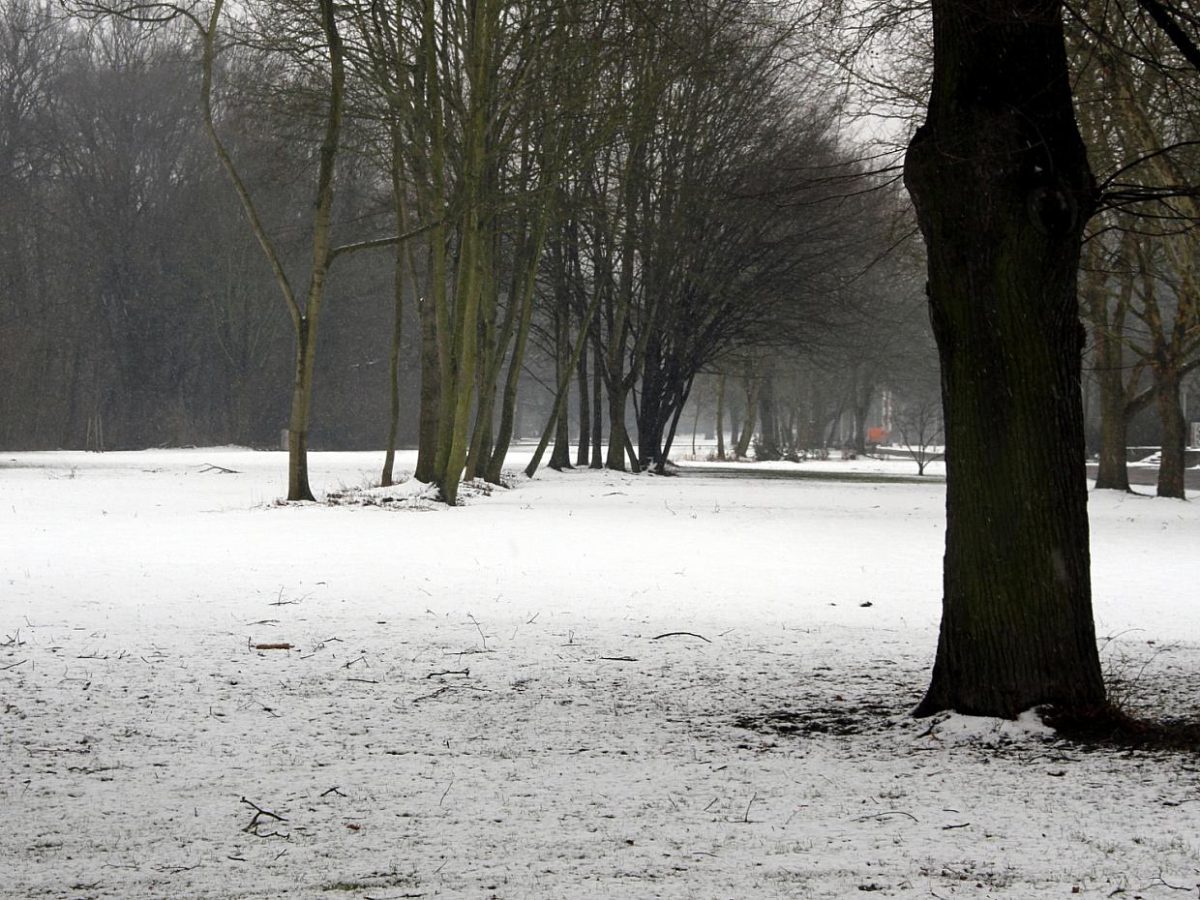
(591, 685)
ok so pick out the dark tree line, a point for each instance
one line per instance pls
(132, 311)
(612, 194)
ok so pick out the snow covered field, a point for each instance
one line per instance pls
(591, 685)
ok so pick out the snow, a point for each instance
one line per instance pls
(589, 685)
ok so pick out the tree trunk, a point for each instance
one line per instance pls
(721, 417)
(298, 487)
(1174, 434)
(1113, 471)
(560, 457)
(1002, 189)
(429, 414)
(398, 188)
(617, 433)
(768, 430)
(389, 457)
(585, 413)
(747, 431)
(597, 401)
(305, 313)
(1108, 324)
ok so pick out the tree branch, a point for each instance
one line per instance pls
(381, 242)
(1163, 18)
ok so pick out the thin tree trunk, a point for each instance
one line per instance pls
(524, 301)
(597, 401)
(304, 314)
(560, 458)
(585, 413)
(721, 417)
(389, 459)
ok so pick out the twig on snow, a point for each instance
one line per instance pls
(269, 710)
(450, 687)
(1175, 887)
(482, 636)
(446, 791)
(746, 815)
(332, 790)
(213, 467)
(887, 812)
(259, 815)
(619, 658)
(681, 634)
(281, 645)
(13, 665)
(279, 601)
(174, 870)
(463, 672)
(436, 693)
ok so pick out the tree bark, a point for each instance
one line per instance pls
(1174, 434)
(1002, 188)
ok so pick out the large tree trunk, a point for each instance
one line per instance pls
(1002, 190)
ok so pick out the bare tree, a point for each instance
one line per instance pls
(919, 421)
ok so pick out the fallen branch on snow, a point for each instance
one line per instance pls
(464, 672)
(259, 815)
(212, 467)
(681, 634)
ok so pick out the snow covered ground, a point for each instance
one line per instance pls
(591, 685)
